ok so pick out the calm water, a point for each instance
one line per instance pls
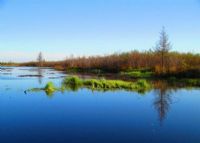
(159, 116)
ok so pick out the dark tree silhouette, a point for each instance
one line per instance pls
(163, 47)
(40, 59)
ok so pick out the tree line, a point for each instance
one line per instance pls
(161, 60)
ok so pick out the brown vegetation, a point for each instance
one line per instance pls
(160, 62)
(178, 64)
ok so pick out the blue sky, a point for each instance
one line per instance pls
(60, 28)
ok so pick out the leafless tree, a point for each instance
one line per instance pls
(40, 59)
(163, 47)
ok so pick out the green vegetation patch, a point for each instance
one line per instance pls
(84, 70)
(74, 83)
(103, 84)
(138, 74)
(50, 87)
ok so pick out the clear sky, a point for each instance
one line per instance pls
(60, 28)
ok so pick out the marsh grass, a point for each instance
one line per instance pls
(138, 74)
(75, 83)
(72, 81)
(49, 89)
(104, 85)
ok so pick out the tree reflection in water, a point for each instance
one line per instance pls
(163, 99)
(40, 74)
(163, 94)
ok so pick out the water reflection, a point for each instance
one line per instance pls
(49, 94)
(162, 100)
(162, 90)
(122, 116)
(40, 72)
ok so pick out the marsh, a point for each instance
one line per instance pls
(162, 114)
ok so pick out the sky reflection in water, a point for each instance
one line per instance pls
(161, 115)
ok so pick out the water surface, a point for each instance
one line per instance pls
(159, 116)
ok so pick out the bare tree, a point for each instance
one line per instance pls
(40, 59)
(163, 47)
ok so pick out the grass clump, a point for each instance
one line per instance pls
(102, 84)
(138, 74)
(142, 84)
(93, 83)
(72, 81)
(50, 87)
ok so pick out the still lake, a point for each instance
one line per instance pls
(158, 116)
